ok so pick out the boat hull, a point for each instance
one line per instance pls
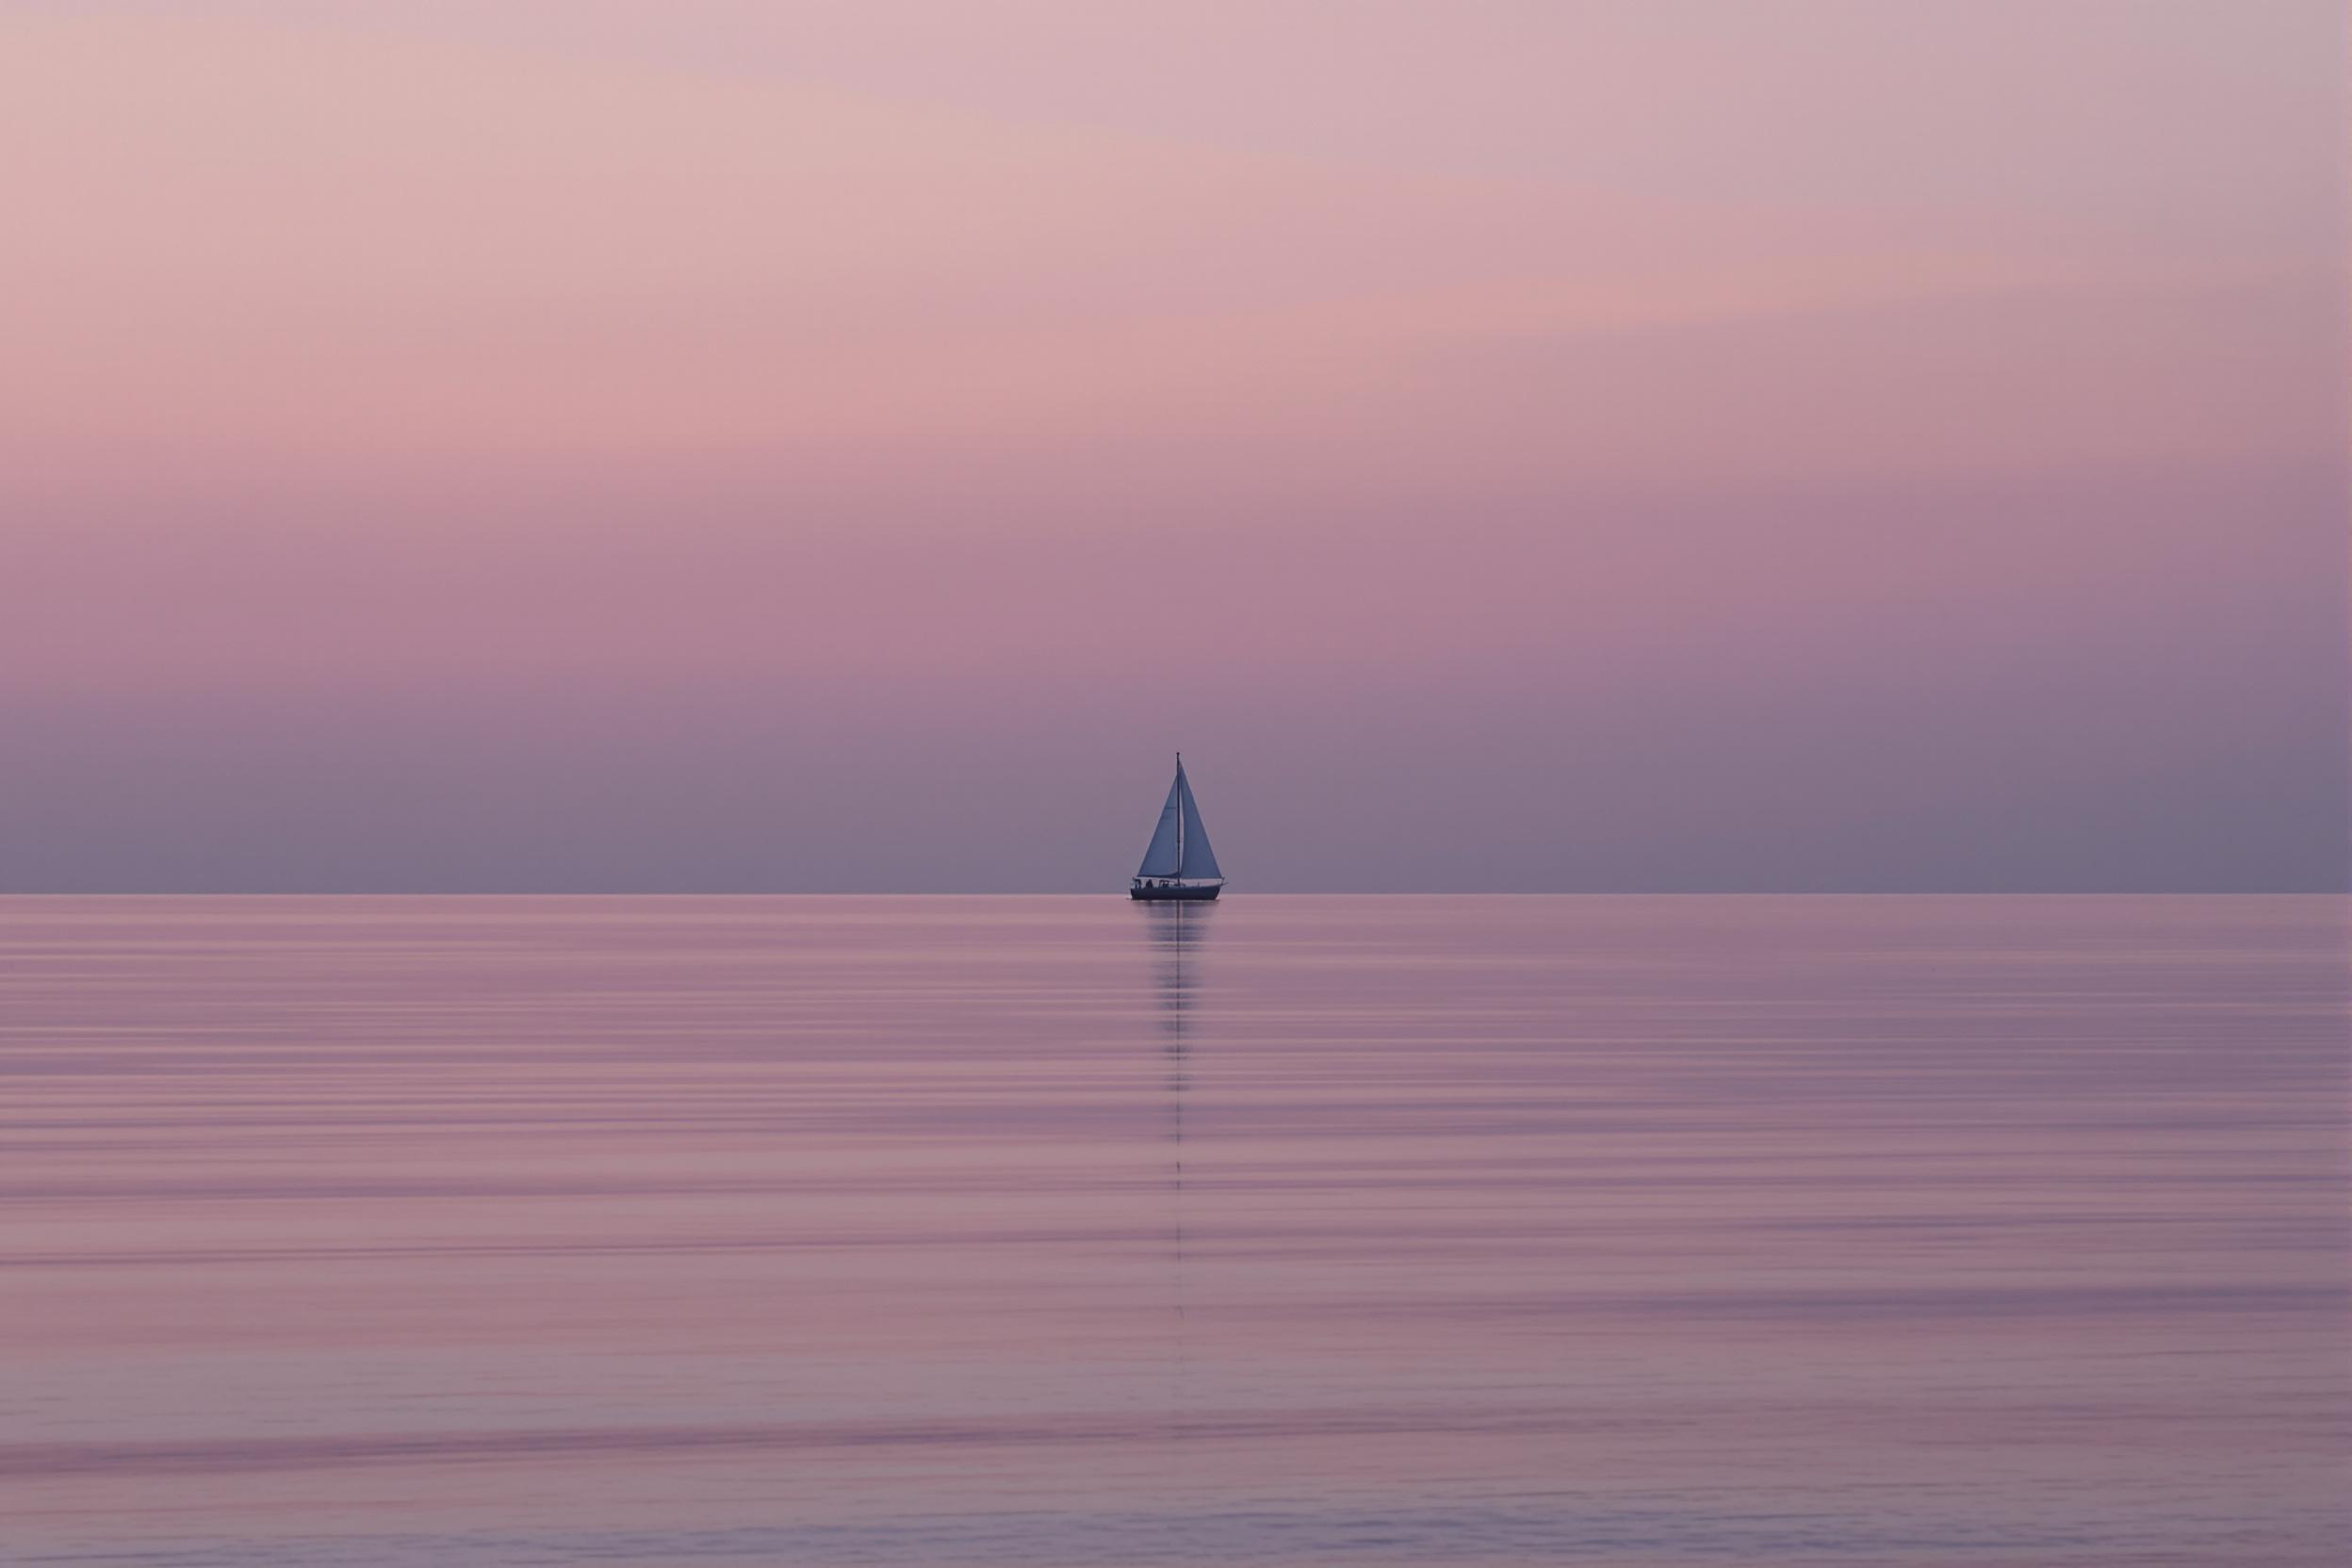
(1161, 892)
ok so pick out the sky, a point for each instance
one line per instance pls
(850, 445)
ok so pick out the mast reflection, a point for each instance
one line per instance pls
(1176, 931)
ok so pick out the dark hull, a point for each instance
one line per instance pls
(1164, 895)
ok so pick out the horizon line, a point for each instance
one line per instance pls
(1120, 895)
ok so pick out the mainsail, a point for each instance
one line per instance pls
(1180, 845)
(1199, 860)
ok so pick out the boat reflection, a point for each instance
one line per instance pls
(1176, 932)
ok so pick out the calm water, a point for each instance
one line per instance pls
(1293, 1230)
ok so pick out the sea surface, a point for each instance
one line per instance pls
(1908, 1232)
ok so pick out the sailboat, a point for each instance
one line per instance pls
(1179, 863)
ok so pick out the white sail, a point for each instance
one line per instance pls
(1198, 862)
(1165, 857)
(1179, 863)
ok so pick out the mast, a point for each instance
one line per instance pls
(1180, 816)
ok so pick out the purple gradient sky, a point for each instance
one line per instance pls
(1665, 444)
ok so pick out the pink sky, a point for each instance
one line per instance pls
(1660, 444)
